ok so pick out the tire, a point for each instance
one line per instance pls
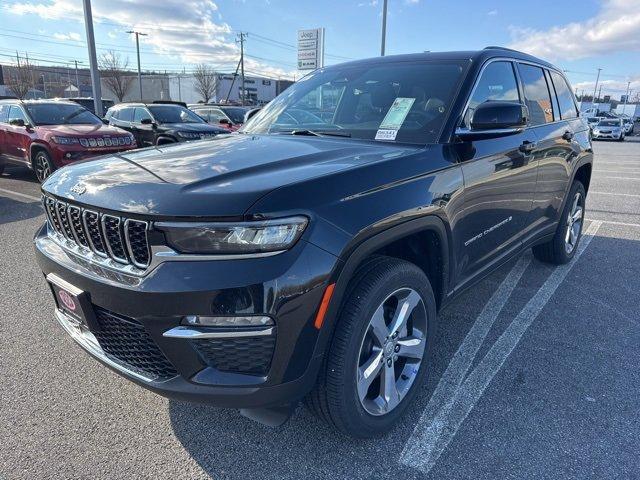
(2, 166)
(378, 285)
(164, 141)
(42, 165)
(559, 250)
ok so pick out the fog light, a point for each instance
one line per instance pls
(68, 155)
(240, 321)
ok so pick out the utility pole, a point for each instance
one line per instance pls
(241, 37)
(599, 93)
(384, 28)
(595, 89)
(138, 50)
(77, 76)
(93, 58)
(626, 98)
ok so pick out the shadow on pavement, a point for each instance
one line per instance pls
(15, 211)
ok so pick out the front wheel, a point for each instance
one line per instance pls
(42, 165)
(562, 247)
(378, 357)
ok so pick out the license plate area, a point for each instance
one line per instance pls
(74, 303)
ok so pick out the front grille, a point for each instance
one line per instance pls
(246, 355)
(126, 341)
(124, 240)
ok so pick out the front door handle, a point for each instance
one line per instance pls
(567, 135)
(527, 146)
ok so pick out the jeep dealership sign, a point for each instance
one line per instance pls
(310, 49)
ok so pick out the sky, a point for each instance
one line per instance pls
(578, 36)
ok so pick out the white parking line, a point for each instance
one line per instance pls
(18, 194)
(611, 222)
(614, 194)
(438, 426)
(619, 178)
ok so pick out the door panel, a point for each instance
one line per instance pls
(17, 139)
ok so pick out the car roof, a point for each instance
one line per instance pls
(479, 56)
(141, 104)
(39, 102)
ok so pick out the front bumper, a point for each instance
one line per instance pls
(609, 135)
(287, 287)
(67, 154)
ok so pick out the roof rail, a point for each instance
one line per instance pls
(497, 47)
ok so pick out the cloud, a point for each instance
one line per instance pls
(186, 33)
(68, 36)
(492, 13)
(615, 28)
(615, 88)
(370, 3)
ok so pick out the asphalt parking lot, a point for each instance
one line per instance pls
(535, 375)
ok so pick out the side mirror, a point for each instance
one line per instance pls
(250, 114)
(105, 121)
(17, 122)
(146, 121)
(494, 119)
(224, 121)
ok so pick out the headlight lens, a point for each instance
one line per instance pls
(64, 140)
(191, 135)
(234, 238)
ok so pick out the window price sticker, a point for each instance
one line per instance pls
(394, 118)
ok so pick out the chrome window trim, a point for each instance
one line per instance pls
(86, 227)
(128, 242)
(103, 218)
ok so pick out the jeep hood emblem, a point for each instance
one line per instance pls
(79, 188)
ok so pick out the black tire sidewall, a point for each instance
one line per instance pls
(356, 419)
(562, 230)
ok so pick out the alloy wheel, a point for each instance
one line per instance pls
(574, 223)
(43, 168)
(391, 352)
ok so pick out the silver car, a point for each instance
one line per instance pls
(610, 128)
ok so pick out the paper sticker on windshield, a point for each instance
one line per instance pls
(386, 134)
(398, 111)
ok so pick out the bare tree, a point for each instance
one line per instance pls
(22, 79)
(114, 73)
(205, 81)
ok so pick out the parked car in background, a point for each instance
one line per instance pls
(627, 124)
(230, 117)
(593, 121)
(47, 134)
(609, 128)
(161, 123)
(309, 260)
(87, 102)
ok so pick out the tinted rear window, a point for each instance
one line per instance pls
(536, 94)
(4, 113)
(565, 97)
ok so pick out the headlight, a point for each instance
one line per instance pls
(64, 140)
(233, 238)
(191, 135)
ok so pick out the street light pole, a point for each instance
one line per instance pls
(138, 51)
(384, 28)
(626, 98)
(93, 58)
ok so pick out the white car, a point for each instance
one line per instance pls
(609, 128)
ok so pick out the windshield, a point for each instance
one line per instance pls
(401, 101)
(593, 119)
(609, 123)
(61, 114)
(236, 114)
(174, 114)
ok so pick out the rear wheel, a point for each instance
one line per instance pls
(42, 165)
(378, 357)
(562, 247)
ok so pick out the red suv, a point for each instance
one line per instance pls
(45, 135)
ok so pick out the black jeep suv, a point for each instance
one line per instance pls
(161, 123)
(309, 260)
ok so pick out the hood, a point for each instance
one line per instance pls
(222, 177)
(194, 127)
(82, 130)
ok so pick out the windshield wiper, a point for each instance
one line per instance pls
(320, 133)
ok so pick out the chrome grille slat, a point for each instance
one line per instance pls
(101, 238)
(112, 235)
(91, 222)
(135, 236)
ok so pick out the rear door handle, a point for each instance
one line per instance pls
(527, 146)
(567, 135)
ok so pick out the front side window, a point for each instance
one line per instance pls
(16, 113)
(125, 114)
(565, 97)
(61, 114)
(141, 114)
(356, 101)
(536, 93)
(496, 83)
(174, 114)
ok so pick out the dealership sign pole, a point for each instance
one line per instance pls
(311, 49)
